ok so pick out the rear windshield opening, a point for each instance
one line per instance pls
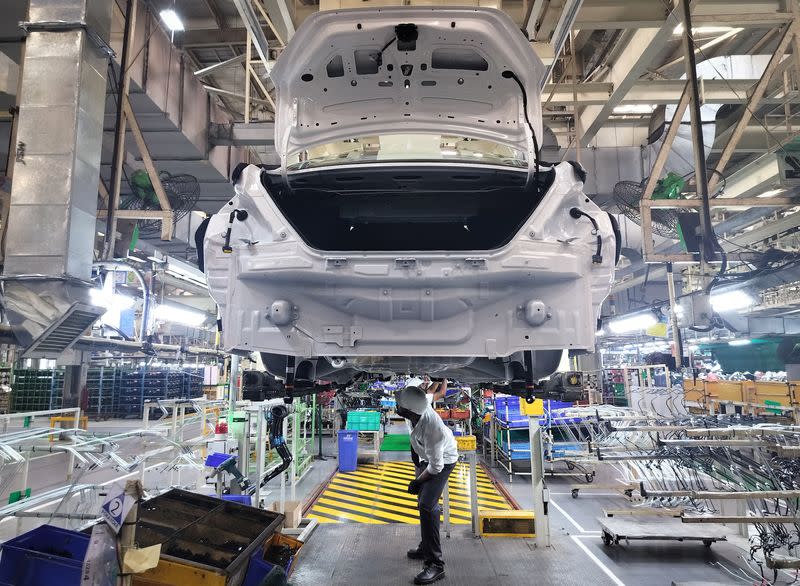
(407, 208)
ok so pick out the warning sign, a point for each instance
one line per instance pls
(116, 506)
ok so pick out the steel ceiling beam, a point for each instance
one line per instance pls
(211, 69)
(253, 26)
(635, 58)
(659, 91)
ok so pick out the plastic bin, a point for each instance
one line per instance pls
(259, 567)
(44, 556)
(364, 420)
(348, 450)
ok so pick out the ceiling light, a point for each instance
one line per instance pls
(731, 300)
(175, 314)
(171, 19)
(449, 153)
(635, 109)
(771, 192)
(739, 342)
(678, 30)
(632, 323)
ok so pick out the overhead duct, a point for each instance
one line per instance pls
(51, 227)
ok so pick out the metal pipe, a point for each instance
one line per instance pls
(116, 163)
(743, 519)
(92, 342)
(143, 329)
(677, 351)
(707, 251)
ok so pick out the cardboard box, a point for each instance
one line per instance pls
(293, 510)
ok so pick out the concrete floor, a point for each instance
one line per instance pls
(356, 553)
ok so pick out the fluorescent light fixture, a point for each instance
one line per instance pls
(771, 192)
(632, 323)
(171, 19)
(449, 152)
(739, 342)
(635, 109)
(178, 315)
(678, 30)
(731, 300)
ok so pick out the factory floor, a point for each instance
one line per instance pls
(346, 551)
(365, 545)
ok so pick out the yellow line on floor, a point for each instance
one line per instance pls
(455, 485)
(384, 495)
(457, 475)
(380, 491)
(383, 503)
(368, 511)
(381, 506)
(496, 502)
(493, 499)
(344, 515)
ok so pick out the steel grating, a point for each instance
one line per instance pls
(378, 495)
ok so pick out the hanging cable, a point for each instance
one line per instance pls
(508, 74)
(597, 257)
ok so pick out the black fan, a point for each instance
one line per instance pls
(628, 194)
(182, 191)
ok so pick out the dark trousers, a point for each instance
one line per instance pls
(429, 513)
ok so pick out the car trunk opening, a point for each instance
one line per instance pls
(407, 207)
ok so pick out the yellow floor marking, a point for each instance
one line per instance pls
(369, 511)
(457, 475)
(455, 494)
(455, 483)
(376, 483)
(384, 495)
(344, 515)
(383, 503)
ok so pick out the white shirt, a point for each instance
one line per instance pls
(433, 441)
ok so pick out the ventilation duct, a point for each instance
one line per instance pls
(51, 227)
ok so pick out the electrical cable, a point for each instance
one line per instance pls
(597, 257)
(508, 74)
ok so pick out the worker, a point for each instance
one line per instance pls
(434, 443)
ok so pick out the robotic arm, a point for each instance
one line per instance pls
(278, 442)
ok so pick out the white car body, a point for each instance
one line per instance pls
(430, 252)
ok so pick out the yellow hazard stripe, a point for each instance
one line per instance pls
(378, 507)
(400, 488)
(402, 485)
(384, 503)
(454, 477)
(346, 515)
(385, 494)
(369, 511)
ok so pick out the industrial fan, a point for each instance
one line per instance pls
(182, 191)
(628, 194)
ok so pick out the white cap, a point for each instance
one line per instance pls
(412, 398)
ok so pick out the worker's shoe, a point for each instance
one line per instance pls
(430, 574)
(415, 554)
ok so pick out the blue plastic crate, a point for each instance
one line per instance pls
(258, 568)
(44, 556)
(214, 459)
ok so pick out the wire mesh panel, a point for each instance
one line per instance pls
(37, 389)
(627, 197)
